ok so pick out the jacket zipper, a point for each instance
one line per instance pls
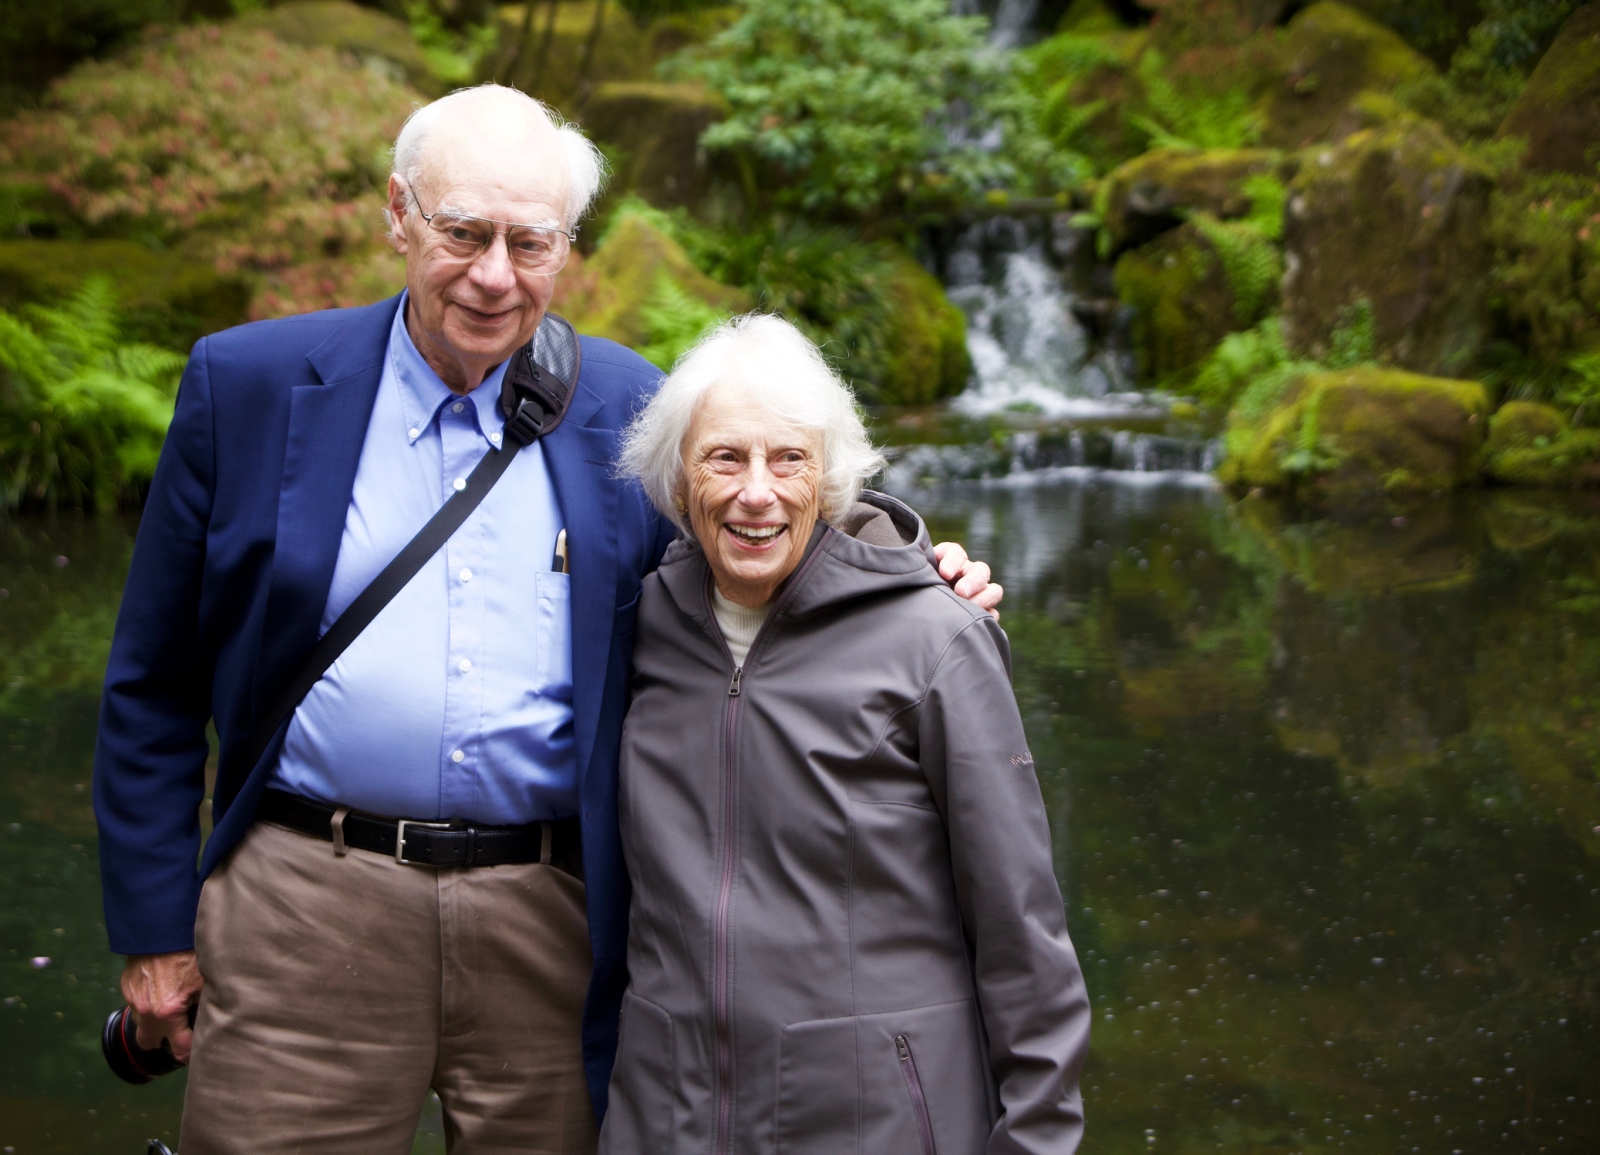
(730, 815)
(919, 1102)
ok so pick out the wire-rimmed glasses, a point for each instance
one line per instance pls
(533, 248)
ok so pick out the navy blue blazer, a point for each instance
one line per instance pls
(224, 599)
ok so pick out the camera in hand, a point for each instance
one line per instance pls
(127, 1059)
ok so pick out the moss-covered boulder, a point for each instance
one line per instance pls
(1181, 301)
(927, 356)
(1152, 193)
(1559, 111)
(1394, 217)
(1333, 53)
(1532, 444)
(379, 41)
(164, 298)
(1354, 433)
(653, 130)
(638, 284)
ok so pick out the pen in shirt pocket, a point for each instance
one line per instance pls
(559, 562)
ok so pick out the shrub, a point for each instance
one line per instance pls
(1546, 232)
(868, 106)
(83, 415)
(247, 151)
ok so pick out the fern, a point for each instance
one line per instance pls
(1192, 120)
(1249, 260)
(673, 322)
(1355, 337)
(83, 415)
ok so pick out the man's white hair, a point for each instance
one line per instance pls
(586, 167)
(785, 374)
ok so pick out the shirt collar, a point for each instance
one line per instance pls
(422, 393)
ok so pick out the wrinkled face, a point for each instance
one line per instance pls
(753, 492)
(467, 316)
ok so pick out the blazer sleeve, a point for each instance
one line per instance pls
(1030, 990)
(150, 756)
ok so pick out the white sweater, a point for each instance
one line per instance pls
(739, 624)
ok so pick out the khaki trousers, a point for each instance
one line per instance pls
(339, 989)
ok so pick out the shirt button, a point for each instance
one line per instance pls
(457, 407)
(460, 483)
(495, 437)
(459, 756)
(466, 575)
(413, 433)
(464, 665)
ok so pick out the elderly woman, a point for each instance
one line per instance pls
(846, 934)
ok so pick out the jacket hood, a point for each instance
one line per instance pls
(879, 546)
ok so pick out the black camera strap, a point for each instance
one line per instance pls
(537, 390)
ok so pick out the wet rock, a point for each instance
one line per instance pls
(1182, 301)
(655, 130)
(1532, 444)
(1393, 216)
(1352, 434)
(1151, 193)
(381, 42)
(165, 298)
(1331, 55)
(1559, 111)
(637, 267)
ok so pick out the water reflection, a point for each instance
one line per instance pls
(1324, 795)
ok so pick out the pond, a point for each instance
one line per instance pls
(1323, 791)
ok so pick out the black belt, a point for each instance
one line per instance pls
(418, 843)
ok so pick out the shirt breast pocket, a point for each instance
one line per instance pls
(553, 633)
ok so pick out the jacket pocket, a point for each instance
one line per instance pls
(919, 1102)
(843, 1090)
(639, 1116)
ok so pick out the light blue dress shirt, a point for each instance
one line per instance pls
(457, 700)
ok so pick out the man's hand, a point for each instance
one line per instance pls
(161, 988)
(973, 583)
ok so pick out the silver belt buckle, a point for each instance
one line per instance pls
(400, 838)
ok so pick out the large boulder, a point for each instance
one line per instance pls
(1154, 192)
(636, 283)
(927, 354)
(164, 298)
(1355, 433)
(1559, 112)
(655, 130)
(379, 41)
(1532, 444)
(1393, 216)
(1332, 54)
(1185, 294)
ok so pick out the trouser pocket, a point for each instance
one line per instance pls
(919, 1104)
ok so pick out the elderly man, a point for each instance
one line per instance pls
(414, 879)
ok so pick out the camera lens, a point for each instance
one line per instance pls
(127, 1059)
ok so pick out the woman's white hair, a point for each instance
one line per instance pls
(784, 374)
(586, 167)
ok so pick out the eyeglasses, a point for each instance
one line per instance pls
(540, 248)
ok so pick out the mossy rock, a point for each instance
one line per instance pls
(1181, 300)
(1333, 53)
(608, 294)
(165, 298)
(379, 41)
(1356, 433)
(1083, 17)
(927, 353)
(1559, 111)
(1106, 137)
(654, 131)
(1393, 216)
(1151, 193)
(1532, 444)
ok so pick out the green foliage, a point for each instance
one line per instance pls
(1355, 337)
(41, 40)
(1191, 117)
(673, 322)
(1312, 453)
(242, 149)
(1250, 260)
(1580, 393)
(83, 415)
(453, 55)
(868, 105)
(1546, 233)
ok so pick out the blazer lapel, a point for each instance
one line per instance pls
(327, 427)
(580, 459)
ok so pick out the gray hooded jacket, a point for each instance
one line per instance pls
(846, 934)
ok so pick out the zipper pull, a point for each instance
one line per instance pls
(900, 1045)
(733, 686)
